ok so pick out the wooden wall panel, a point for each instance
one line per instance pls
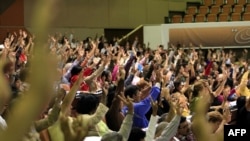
(12, 19)
(13, 15)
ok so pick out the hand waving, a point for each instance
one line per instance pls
(154, 105)
(128, 102)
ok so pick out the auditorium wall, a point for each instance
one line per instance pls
(93, 16)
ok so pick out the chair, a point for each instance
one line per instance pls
(208, 2)
(176, 19)
(241, 2)
(203, 9)
(230, 2)
(219, 2)
(246, 16)
(188, 18)
(215, 9)
(212, 18)
(200, 18)
(191, 10)
(223, 17)
(247, 8)
(236, 17)
(238, 9)
(226, 9)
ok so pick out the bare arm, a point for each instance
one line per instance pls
(70, 96)
(173, 125)
(89, 55)
(186, 86)
(219, 90)
(150, 133)
(50, 119)
(98, 72)
(53, 114)
(128, 121)
(99, 114)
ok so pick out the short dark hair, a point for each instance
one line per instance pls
(241, 101)
(183, 119)
(75, 70)
(131, 90)
(136, 134)
(160, 46)
(87, 104)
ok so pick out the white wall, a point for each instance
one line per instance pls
(159, 34)
(152, 35)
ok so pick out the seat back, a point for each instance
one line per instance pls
(200, 18)
(176, 19)
(212, 18)
(235, 17)
(246, 16)
(226, 9)
(223, 17)
(215, 9)
(188, 19)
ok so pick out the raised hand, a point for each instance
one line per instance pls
(226, 113)
(93, 44)
(179, 108)
(122, 73)
(60, 95)
(165, 93)
(191, 44)
(81, 52)
(154, 105)
(96, 60)
(158, 75)
(128, 102)
(106, 60)
(192, 61)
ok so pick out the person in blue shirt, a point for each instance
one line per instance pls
(141, 107)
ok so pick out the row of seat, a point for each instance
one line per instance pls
(224, 2)
(222, 17)
(215, 9)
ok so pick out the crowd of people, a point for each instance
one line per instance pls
(108, 91)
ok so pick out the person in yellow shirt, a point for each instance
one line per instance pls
(243, 89)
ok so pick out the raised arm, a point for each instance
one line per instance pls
(218, 91)
(191, 64)
(130, 77)
(186, 86)
(98, 72)
(89, 55)
(98, 116)
(5, 51)
(172, 127)
(113, 117)
(71, 95)
(170, 130)
(52, 116)
(128, 121)
(243, 83)
(166, 63)
(150, 133)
